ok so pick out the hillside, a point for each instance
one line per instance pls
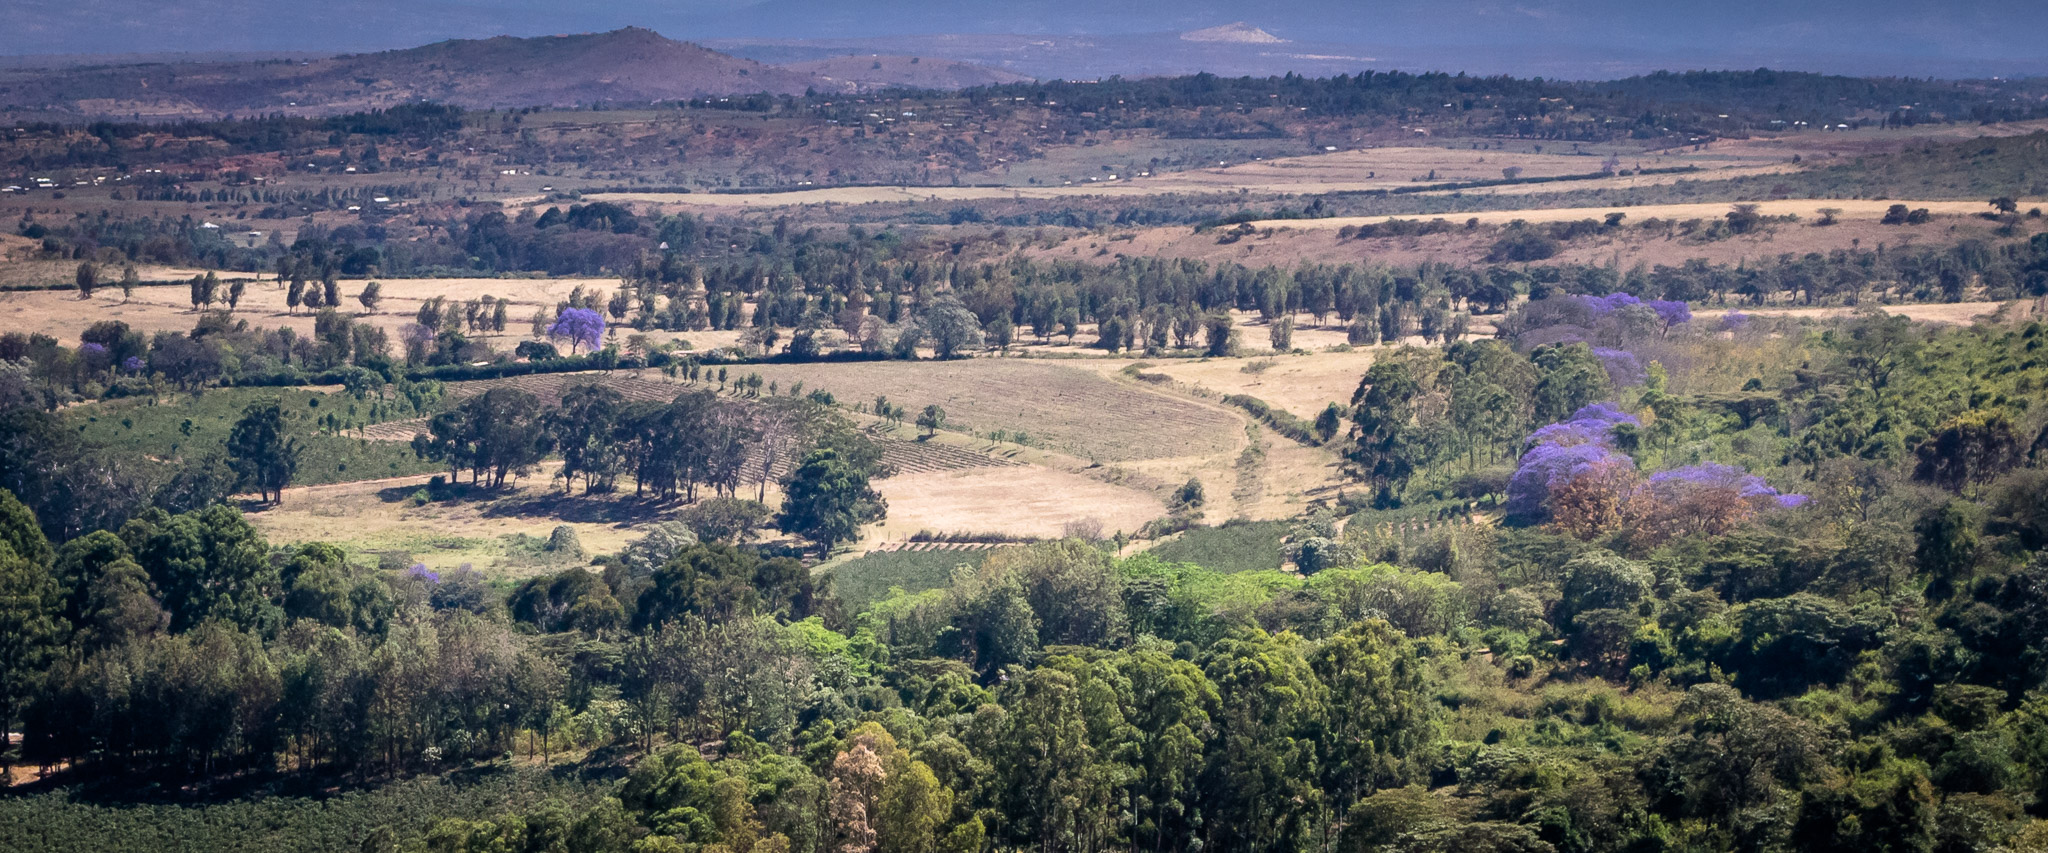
(628, 65)
(912, 72)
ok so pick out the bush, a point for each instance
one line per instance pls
(1282, 422)
(564, 544)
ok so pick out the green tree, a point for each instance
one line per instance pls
(731, 520)
(1054, 789)
(209, 565)
(1077, 596)
(1329, 421)
(1281, 335)
(1385, 445)
(1260, 788)
(263, 456)
(721, 582)
(1375, 688)
(1600, 580)
(828, 499)
(30, 601)
(1221, 338)
(931, 419)
(913, 810)
(1569, 377)
(1875, 349)
(494, 434)
(1973, 447)
(1170, 709)
(88, 278)
(372, 294)
(1949, 544)
(583, 429)
(950, 326)
(1483, 417)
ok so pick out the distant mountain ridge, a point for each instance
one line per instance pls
(625, 65)
(1236, 33)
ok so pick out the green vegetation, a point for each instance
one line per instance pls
(871, 577)
(79, 821)
(1626, 576)
(198, 425)
(1235, 546)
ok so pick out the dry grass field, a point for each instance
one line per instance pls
(1354, 170)
(373, 517)
(1950, 314)
(1806, 209)
(1300, 384)
(169, 307)
(1293, 241)
(1024, 500)
(1066, 409)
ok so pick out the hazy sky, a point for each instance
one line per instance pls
(1993, 31)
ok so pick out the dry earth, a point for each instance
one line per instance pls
(1289, 242)
(1805, 209)
(1951, 314)
(1300, 384)
(1027, 500)
(1063, 408)
(1355, 170)
(62, 314)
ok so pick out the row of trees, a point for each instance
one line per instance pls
(699, 439)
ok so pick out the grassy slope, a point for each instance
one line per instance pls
(157, 429)
(864, 580)
(1234, 547)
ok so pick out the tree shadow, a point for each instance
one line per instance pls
(584, 509)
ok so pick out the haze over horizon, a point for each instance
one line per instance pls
(1578, 38)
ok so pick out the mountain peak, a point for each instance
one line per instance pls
(1238, 32)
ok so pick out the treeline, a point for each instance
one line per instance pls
(113, 144)
(1655, 105)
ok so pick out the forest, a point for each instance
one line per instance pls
(1394, 462)
(1796, 605)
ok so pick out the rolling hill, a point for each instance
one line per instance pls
(625, 65)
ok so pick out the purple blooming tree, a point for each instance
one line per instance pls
(95, 356)
(1548, 467)
(1605, 305)
(1670, 311)
(1674, 486)
(1559, 453)
(582, 326)
(1592, 424)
